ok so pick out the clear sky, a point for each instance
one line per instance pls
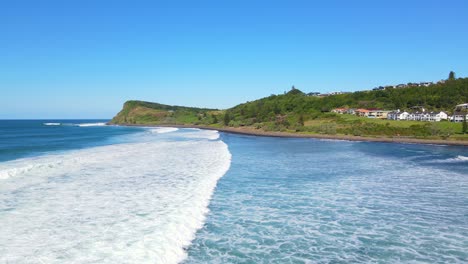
(84, 59)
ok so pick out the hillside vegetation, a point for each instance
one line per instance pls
(295, 111)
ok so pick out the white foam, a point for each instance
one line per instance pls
(91, 124)
(463, 158)
(127, 203)
(51, 124)
(162, 130)
(457, 159)
(202, 133)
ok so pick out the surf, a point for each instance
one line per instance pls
(138, 202)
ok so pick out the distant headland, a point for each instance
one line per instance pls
(434, 113)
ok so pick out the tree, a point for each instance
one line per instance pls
(227, 119)
(215, 119)
(301, 120)
(451, 75)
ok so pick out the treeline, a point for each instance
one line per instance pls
(441, 96)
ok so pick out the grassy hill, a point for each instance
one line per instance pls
(140, 112)
(297, 112)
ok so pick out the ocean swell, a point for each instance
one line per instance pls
(127, 203)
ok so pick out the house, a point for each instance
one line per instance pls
(340, 110)
(437, 116)
(460, 113)
(426, 84)
(461, 107)
(377, 113)
(362, 112)
(351, 111)
(414, 116)
(427, 116)
(397, 115)
(458, 117)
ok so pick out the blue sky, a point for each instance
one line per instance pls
(84, 59)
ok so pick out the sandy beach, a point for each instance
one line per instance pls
(258, 132)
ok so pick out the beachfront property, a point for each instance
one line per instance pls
(417, 116)
(377, 113)
(458, 117)
(427, 116)
(417, 113)
(397, 115)
(460, 113)
(370, 113)
(362, 112)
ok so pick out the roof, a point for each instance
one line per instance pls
(362, 110)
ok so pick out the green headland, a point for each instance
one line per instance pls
(298, 113)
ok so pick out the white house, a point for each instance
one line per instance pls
(460, 114)
(437, 116)
(427, 116)
(415, 116)
(458, 117)
(397, 115)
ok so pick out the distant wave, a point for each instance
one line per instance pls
(52, 124)
(90, 124)
(73, 124)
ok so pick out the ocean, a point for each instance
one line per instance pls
(78, 191)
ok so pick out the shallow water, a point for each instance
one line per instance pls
(315, 201)
(80, 192)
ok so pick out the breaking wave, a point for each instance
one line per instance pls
(162, 130)
(127, 203)
(90, 124)
(457, 159)
(72, 124)
(51, 124)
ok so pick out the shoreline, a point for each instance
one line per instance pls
(261, 133)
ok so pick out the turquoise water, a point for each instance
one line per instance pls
(80, 192)
(313, 201)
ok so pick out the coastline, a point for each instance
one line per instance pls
(261, 133)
